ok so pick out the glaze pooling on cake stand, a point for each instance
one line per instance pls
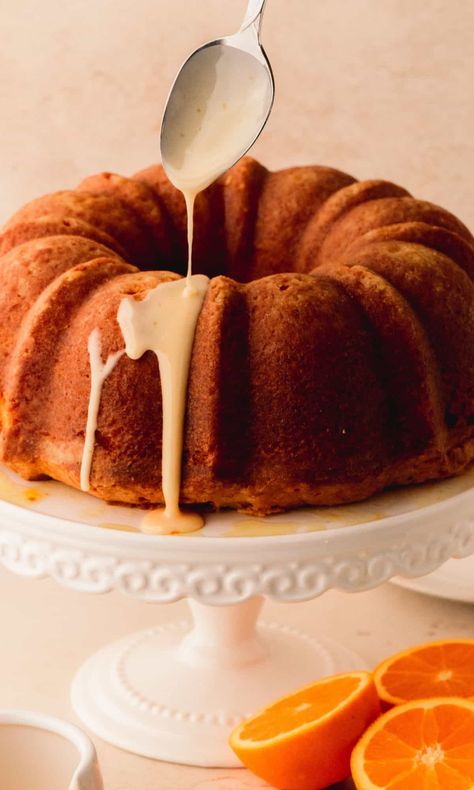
(175, 691)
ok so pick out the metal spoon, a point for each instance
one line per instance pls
(202, 135)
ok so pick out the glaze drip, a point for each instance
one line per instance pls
(164, 322)
(222, 105)
(99, 372)
(189, 199)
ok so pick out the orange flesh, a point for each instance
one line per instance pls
(432, 748)
(433, 671)
(305, 707)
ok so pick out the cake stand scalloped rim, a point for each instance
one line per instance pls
(222, 570)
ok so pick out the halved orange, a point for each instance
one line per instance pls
(436, 669)
(422, 745)
(304, 741)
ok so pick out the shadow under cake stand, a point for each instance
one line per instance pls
(174, 692)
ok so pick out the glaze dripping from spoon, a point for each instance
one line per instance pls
(217, 107)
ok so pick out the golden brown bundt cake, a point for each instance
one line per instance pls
(333, 356)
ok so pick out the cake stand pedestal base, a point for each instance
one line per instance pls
(175, 692)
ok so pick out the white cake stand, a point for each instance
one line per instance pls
(174, 692)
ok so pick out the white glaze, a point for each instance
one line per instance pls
(164, 322)
(40, 752)
(189, 199)
(218, 106)
(99, 372)
(216, 114)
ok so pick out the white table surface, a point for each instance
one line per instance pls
(377, 89)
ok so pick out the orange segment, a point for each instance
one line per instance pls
(422, 745)
(302, 707)
(304, 741)
(436, 669)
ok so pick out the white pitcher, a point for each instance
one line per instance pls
(39, 752)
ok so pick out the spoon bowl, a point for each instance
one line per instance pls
(218, 105)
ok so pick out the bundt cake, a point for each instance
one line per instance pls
(333, 355)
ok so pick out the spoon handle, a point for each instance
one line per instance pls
(253, 15)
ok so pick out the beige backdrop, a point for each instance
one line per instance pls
(376, 88)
